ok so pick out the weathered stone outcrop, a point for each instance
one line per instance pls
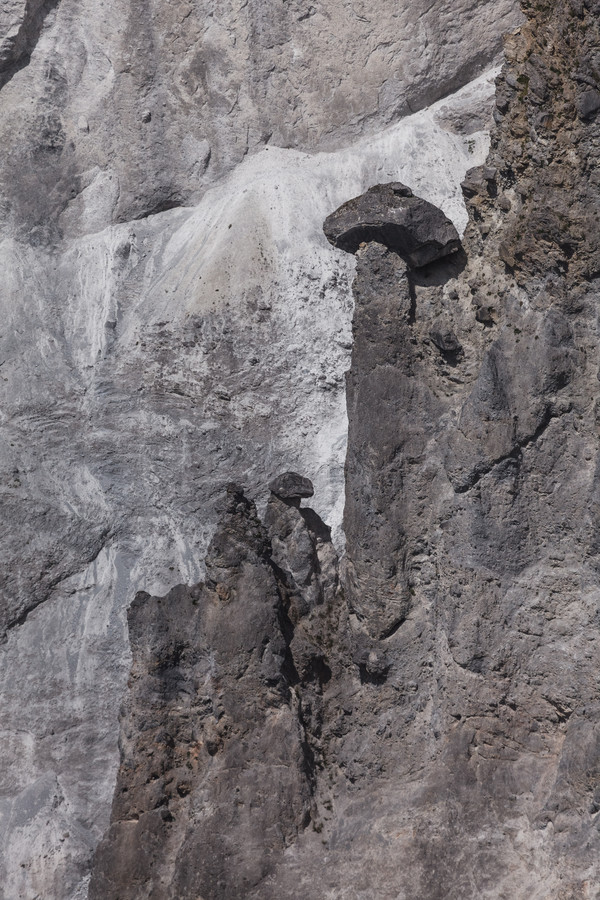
(472, 403)
(213, 783)
(390, 411)
(217, 765)
(422, 721)
(390, 214)
(141, 368)
(440, 693)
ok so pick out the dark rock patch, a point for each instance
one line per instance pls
(588, 104)
(391, 215)
(291, 486)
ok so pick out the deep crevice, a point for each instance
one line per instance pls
(159, 207)
(391, 631)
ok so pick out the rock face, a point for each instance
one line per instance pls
(391, 214)
(215, 777)
(173, 319)
(446, 673)
(217, 771)
(392, 415)
(485, 460)
(145, 366)
(137, 107)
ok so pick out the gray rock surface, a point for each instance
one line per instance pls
(214, 781)
(217, 768)
(120, 352)
(135, 107)
(448, 679)
(173, 318)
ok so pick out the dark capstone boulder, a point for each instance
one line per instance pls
(291, 486)
(390, 214)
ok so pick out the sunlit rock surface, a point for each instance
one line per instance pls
(173, 318)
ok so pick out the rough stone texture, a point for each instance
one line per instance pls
(388, 410)
(144, 367)
(391, 215)
(185, 343)
(291, 486)
(214, 781)
(454, 724)
(217, 769)
(130, 108)
(173, 318)
(497, 494)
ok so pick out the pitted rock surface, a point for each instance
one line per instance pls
(173, 319)
(440, 686)
(214, 781)
(144, 365)
(486, 461)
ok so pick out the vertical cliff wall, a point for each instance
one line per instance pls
(173, 318)
(444, 689)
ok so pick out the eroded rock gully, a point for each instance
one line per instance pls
(428, 725)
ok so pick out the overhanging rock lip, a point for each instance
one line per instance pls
(391, 215)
